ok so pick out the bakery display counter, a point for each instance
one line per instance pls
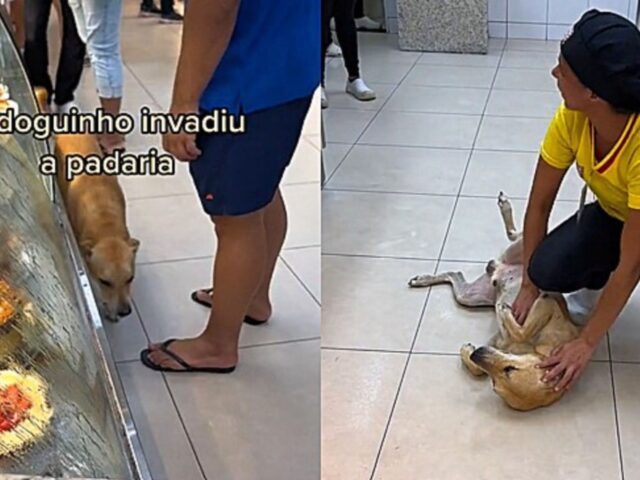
(62, 409)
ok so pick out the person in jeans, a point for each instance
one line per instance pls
(166, 11)
(237, 176)
(343, 12)
(98, 23)
(36, 53)
(597, 128)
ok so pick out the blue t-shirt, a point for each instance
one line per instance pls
(273, 57)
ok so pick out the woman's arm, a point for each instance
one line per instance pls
(620, 285)
(546, 183)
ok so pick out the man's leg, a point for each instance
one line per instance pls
(240, 265)
(275, 224)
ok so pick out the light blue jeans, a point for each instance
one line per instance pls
(98, 23)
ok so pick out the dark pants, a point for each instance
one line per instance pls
(578, 255)
(165, 5)
(343, 12)
(36, 50)
(359, 10)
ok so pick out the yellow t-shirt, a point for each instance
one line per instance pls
(615, 179)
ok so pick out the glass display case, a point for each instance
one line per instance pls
(62, 410)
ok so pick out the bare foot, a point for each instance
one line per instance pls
(196, 352)
(257, 310)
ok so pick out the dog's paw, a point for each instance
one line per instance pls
(421, 281)
(467, 349)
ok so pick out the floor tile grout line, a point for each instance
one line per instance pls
(364, 350)
(615, 409)
(142, 85)
(282, 342)
(367, 350)
(299, 279)
(435, 112)
(370, 122)
(397, 145)
(185, 194)
(175, 404)
(446, 195)
(458, 114)
(426, 147)
(428, 293)
(391, 412)
(204, 257)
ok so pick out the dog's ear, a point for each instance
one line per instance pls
(43, 99)
(86, 247)
(134, 243)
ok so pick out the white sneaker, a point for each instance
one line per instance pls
(64, 108)
(334, 50)
(366, 23)
(324, 101)
(359, 89)
(581, 303)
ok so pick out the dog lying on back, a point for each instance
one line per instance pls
(97, 212)
(511, 356)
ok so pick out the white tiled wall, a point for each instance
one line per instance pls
(538, 19)
(547, 19)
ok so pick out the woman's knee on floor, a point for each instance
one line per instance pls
(552, 273)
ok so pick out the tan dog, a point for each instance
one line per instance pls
(511, 357)
(97, 212)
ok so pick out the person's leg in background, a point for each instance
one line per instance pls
(326, 14)
(169, 14)
(343, 12)
(99, 26)
(363, 22)
(17, 16)
(36, 49)
(148, 8)
(71, 61)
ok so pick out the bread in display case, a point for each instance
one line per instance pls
(62, 411)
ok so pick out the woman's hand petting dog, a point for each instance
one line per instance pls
(524, 301)
(566, 363)
(181, 145)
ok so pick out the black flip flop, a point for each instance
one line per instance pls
(247, 319)
(164, 348)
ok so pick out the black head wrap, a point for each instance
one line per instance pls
(603, 50)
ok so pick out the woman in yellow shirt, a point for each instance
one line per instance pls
(597, 128)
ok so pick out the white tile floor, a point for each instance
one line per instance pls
(262, 422)
(412, 185)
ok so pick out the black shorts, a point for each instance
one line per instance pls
(239, 174)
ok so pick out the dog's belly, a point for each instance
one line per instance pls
(507, 280)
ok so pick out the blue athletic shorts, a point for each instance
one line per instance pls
(239, 174)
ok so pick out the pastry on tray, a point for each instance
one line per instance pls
(5, 99)
(7, 303)
(24, 411)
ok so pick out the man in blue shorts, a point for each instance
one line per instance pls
(227, 61)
